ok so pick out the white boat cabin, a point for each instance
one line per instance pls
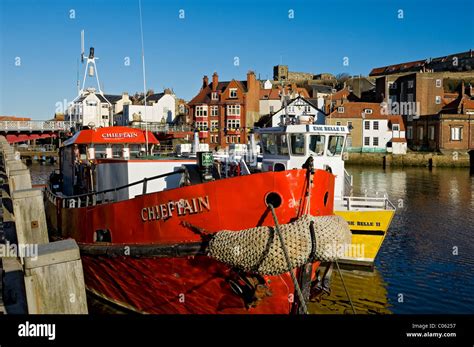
(95, 160)
(289, 147)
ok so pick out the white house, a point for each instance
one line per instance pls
(398, 142)
(95, 109)
(90, 109)
(270, 101)
(296, 108)
(385, 133)
(160, 108)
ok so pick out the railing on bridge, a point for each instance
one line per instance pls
(164, 128)
(34, 125)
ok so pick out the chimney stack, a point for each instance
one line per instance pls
(251, 79)
(215, 81)
(205, 82)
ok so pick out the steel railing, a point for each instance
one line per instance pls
(101, 197)
(351, 202)
(32, 125)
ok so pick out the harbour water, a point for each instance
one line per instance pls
(426, 264)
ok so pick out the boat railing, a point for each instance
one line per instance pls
(365, 202)
(348, 180)
(103, 196)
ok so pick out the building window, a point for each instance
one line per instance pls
(233, 123)
(395, 127)
(367, 125)
(233, 93)
(214, 125)
(410, 84)
(438, 83)
(456, 133)
(340, 109)
(376, 125)
(214, 96)
(214, 138)
(375, 141)
(431, 132)
(409, 132)
(201, 111)
(368, 111)
(420, 133)
(349, 125)
(393, 85)
(438, 99)
(233, 110)
(214, 110)
(338, 123)
(366, 141)
(201, 126)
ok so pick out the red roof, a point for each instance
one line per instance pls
(14, 118)
(111, 135)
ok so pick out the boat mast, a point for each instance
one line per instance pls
(143, 70)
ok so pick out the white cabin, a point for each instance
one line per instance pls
(289, 147)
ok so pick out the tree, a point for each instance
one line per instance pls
(341, 79)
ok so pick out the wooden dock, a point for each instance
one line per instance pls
(37, 276)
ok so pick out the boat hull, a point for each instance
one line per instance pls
(190, 283)
(369, 228)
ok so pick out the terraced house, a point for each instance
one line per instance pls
(224, 111)
(371, 128)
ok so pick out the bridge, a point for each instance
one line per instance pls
(20, 131)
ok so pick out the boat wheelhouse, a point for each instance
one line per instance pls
(95, 160)
(289, 147)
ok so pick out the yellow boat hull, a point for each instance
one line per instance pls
(369, 228)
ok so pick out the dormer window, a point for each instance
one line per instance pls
(214, 96)
(340, 109)
(368, 111)
(233, 93)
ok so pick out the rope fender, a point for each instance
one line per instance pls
(258, 250)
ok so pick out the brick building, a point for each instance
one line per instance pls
(224, 111)
(451, 129)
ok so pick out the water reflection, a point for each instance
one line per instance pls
(427, 258)
(367, 290)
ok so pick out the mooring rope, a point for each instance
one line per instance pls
(288, 261)
(344, 285)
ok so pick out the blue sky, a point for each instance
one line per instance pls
(179, 52)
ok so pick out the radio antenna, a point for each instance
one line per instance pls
(143, 70)
(82, 46)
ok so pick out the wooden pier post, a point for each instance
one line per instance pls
(30, 218)
(42, 277)
(19, 179)
(54, 280)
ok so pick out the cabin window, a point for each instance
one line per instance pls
(134, 150)
(335, 145)
(316, 144)
(297, 144)
(100, 151)
(117, 151)
(275, 144)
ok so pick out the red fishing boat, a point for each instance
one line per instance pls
(142, 226)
